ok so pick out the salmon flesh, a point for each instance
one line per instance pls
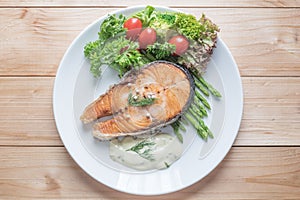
(144, 101)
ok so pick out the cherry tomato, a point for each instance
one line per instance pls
(134, 27)
(181, 43)
(147, 37)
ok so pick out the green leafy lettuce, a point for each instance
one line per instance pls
(146, 15)
(111, 26)
(119, 53)
(112, 48)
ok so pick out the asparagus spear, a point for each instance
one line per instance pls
(199, 80)
(196, 110)
(184, 120)
(201, 87)
(201, 124)
(175, 127)
(201, 132)
(202, 99)
(210, 87)
(181, 126)
(210, 134)
(200, 106)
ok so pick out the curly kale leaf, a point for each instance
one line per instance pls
(188, 26)
(111, 26)
(119, 53)
(146, 15)
(94, 51)
(131, 58)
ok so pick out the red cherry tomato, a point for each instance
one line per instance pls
(134, 27)
(147, 37)
(181, 43)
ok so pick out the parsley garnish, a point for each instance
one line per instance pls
(136, 101)
(166, 164)
(143, 148)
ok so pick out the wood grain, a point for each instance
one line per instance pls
(264, 38)
(26, 112)
(33, 40)
(173, 3)
(26, 98)
(271, 111)
(255, 173)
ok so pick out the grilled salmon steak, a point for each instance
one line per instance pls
(144, 101)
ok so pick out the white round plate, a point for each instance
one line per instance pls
(75, 88)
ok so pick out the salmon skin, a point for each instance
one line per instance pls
(144, 101)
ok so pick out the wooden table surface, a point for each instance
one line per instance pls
(264, 38)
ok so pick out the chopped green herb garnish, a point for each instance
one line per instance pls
(136, 101)
(176, 128)
(143, 148)
(167, 165)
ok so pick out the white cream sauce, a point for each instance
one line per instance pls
(155, 152)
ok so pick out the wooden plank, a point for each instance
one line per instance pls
(258, 42)
(49, 172)
(273, 98)
(271, 111)
(29, 132)
(26, 112)
(33, 41)
(267, 43)
(173, 3)
(25, 98)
